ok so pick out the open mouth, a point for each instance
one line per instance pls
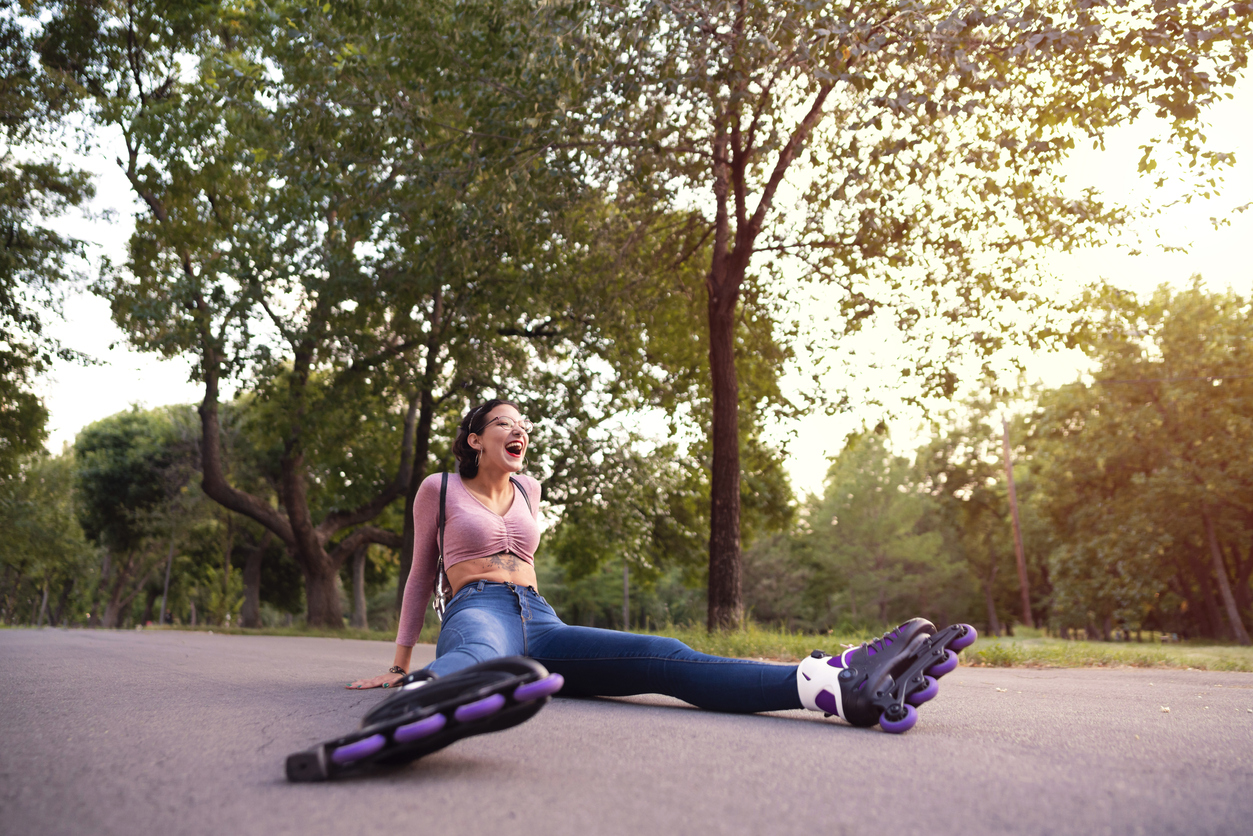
(514, 448)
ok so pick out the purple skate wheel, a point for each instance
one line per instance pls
(947, 666)
(927, 693)
(964, 641)
(545, 687)
(356, 751)
(420, 729)
(902, 725)
(480, 708)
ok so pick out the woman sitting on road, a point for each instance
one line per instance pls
(490, 538)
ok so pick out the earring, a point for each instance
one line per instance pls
(478, 454)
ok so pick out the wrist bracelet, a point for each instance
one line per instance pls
(397, 669)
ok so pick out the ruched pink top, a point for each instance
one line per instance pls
(471, 530)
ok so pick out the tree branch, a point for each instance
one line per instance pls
(337, 520)
(363, 535)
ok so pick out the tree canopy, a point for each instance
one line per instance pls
(1144, 473)
(923, 141)
(36, 260)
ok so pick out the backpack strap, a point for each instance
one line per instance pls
(441, 577)
(518, 484)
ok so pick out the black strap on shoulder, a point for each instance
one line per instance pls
(440, 574)
(518, 484)
(443, 496)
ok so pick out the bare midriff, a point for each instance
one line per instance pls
(501, 568)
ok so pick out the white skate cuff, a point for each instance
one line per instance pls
(813, 677)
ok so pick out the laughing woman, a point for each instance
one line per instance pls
(490, 536)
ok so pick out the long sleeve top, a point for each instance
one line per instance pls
(471, 530)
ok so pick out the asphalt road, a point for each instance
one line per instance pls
(186, 733)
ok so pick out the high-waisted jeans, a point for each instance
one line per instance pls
(487, 620)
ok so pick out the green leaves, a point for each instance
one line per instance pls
(1135, 462)
(36, 259)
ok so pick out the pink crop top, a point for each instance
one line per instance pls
(471, 530)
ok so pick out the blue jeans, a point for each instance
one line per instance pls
(487, 620)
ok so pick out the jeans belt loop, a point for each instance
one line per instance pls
(481, 585)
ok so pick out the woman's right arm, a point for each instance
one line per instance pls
(421, 582)
(387, 680)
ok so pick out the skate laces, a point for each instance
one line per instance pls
(883, 642)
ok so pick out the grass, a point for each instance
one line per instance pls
(1059, 653)
(1029, 649)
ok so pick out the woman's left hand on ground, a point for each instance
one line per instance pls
(387, 680)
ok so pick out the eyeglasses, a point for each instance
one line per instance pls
(509, 423)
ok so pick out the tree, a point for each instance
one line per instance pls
(289, 189)
(35, 260)
(1149, 484)
(870, 542)
(925, 140)
(47, 565)
(127, 468)
(962, 468)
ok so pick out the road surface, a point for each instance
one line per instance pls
(160, 732)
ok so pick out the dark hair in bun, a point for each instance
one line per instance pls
(475, 422)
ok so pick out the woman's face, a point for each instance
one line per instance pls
(502, 442)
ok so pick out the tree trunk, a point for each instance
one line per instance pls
(165, 589)
(323, 608)
(149, 601)
(726, 594)
(1243, 570)
(112, 613)
(43, 606)
(1224, 585)
(421, 452)
(99, 603)
(994, 624)
(422, 440)
(9, 589)
(1180, 585)
(113, 593)
(58, 614)
(1023, 587)
(358, 587)
(250, 612)
(1202, 574)
(626, 595)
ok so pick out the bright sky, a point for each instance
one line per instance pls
(76, 396)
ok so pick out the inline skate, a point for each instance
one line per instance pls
(882, 681)
(429, 712)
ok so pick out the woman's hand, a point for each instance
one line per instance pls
(387, 680)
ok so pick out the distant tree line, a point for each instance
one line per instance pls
(1135, 492)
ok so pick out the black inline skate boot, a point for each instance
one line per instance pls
(430, 712)
(883, 680)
